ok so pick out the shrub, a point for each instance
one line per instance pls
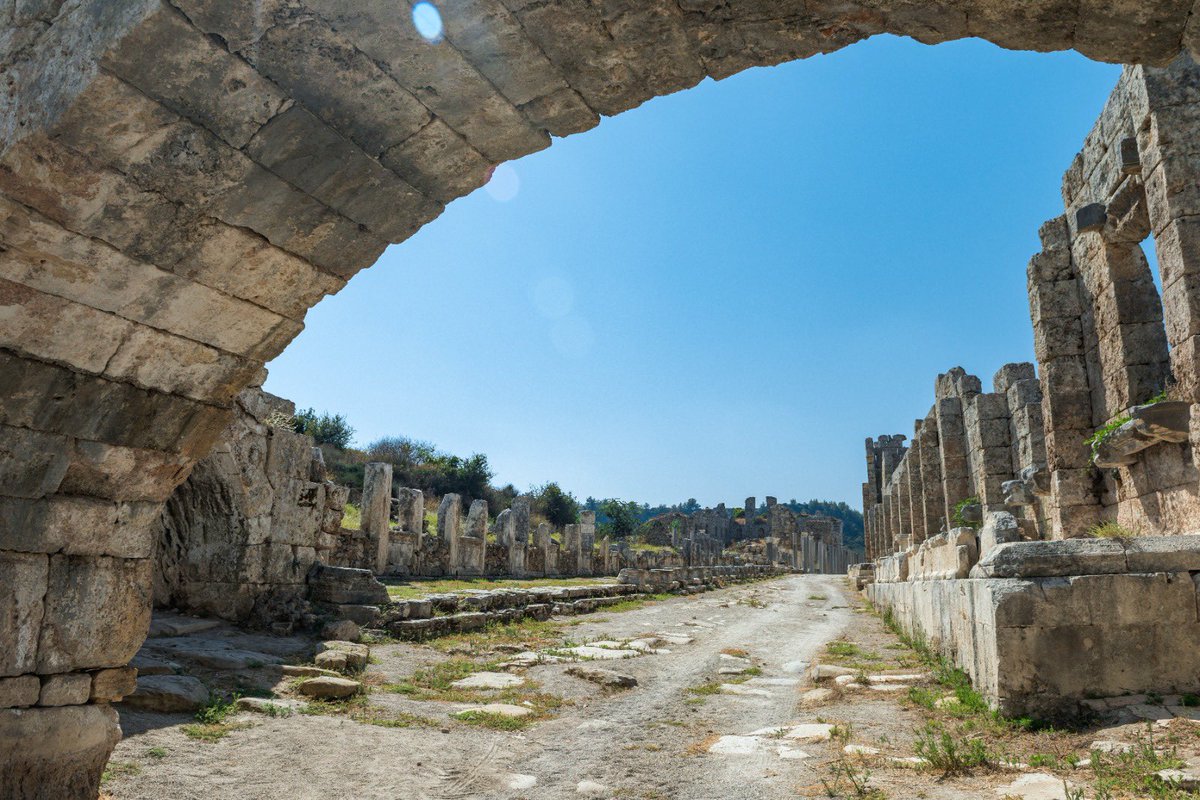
(325, 428)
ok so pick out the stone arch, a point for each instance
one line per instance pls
(180, 182)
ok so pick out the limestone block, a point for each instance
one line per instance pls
(998, 527)
(97, 612)
(55, 752)
(1053, 558)
(66, 689)
(357, 655)
(19, 692)
(297, 512)
(346, 585)
(110, 685)
(1163, 553)
(78, 526)
(438, 162)
(168, 694)
(192, 73)
(23, 583)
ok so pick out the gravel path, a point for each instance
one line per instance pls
(648, 742)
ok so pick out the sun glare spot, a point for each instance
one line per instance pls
(428, 21)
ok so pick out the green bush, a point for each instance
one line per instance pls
(324, 428)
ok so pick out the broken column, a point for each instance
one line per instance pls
(376, 509)
(518, 535)
(952, 389)
(543, 540)
(587, 541)
(449, 516)
(471, 551)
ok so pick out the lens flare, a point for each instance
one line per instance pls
(428, 21)
(504, 184)
(553, 297)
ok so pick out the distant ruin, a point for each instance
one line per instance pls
(240, 537)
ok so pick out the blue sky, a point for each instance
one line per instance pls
(722, 292)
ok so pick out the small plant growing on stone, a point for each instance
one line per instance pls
(1111, 530)
(960, 507)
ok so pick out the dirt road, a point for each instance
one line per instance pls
(649, 742)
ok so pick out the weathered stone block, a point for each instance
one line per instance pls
(23, 583)
(1053, 559)
(19, 692)
(66, 689)
(55, 753)
(97, 612)
(110, 685)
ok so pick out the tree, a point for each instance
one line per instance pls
(325, 428)
(401, 451)
(622, 517)
(558, 507)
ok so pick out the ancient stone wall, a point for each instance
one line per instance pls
(1107, 341)
(238, 537)
(975, 452)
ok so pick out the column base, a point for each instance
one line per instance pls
(55, 753)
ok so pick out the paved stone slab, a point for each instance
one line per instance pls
(489, 680)
(168, 693)
(1037, 786)
(502, 709)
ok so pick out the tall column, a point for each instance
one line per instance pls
(376, 509)
(410, 512)
(519, 537)
(933, 498)
(1055, 301)
(587, 540)
(951, 389)
(449, 516)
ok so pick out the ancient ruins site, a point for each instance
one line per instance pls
(196, 602)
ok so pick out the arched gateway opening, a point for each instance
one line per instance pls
(180, 182)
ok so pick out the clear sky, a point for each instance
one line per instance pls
(722, 292)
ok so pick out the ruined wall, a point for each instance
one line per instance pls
(238, 537)
(1106, 339)
(973, 453)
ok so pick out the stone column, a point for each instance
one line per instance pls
(986, 420)
(951, 390)
(376, 509)
(449, 516)
(543, 540)
(410, 511)
(569, 564)
(916, 491)
(587, 541)
(933, 499)
(1165, 145)
(519, 536)
(472, 554)
(1055, 302)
